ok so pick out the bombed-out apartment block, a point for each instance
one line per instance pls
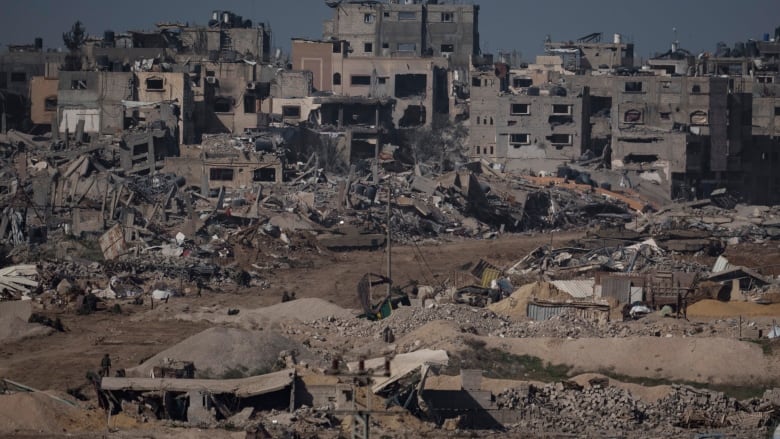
(18, 66)
(409, 28)
(672, 131)
(591, 53)
(231, 169)
(419, 86)
(524, 126)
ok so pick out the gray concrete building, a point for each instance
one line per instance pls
(407, 28)
(591, 53)
(526, 127)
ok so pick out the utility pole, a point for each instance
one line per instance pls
(389, 246)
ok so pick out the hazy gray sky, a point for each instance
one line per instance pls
(504, 24)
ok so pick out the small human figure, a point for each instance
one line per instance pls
(105, 366)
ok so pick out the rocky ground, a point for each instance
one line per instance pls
(702, 378)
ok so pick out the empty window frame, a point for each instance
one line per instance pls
(50, 103)
(777, 111)
(696, 89)
(381, 80)
(250, 103)
(78, 84)
(560, 139)
(563, 109)
(360, 80)
(519, 139)
(522, 82)
(407, 15)
(520, 109)
(264, 174)
(221, 174)
(18, 76)
(476, 82)
(633, 87)
(337, 79)
(155, 84)
(447, 17)
(447, 48)
(368, 47)
(699, 118)
(291, 111)
(665, 115)
(368, 18)
(632, 116)
(223, 104)
(410, 85)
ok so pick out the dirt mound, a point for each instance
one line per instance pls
(516, 304)
(715, 308)
(304, 310)
(37, 412)
(222, 352)
(14, 329)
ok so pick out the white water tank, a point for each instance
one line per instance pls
(617, 38)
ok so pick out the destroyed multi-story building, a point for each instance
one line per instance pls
(591, 53)
(523, 126)
(412, 28)
(418, 85)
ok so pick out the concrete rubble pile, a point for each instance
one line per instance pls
(600, 409)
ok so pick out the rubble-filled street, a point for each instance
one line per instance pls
(387, 232)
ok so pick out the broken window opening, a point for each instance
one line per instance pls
(141, 148)
(699, 118)
(447, 17)
(3, 80)
(520, 109)
(337, 47)
(362, 150)
(291, 111)
(250, 104)
(491, 120)
(385, 45)
(410, 85)
(337, 79)
(633, 87)
(640, 139)
(407, 15)
(78, 84)
(632, 116)
(696, 89)
(386, 14)
(368, 47)
(476, 148)
(511, 123)
(777, 111)
(560, 139)
(519, 139)
(223, 105)
(491, 150)
(477, 120)
(414, 115)
(154, 84)
(556, 120)
(221, 174)
(368, 18)
(447, 48)
(18, 76)
(264, 174)
(765, 79)
(665, 115)
(475, 82)
(50, 103)
(522, 82)
(561, 109)
(640, 158)
(360, 80)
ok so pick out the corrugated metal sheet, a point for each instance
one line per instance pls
(578, 289)
(548, 310)
(721, 264)
(618, 288)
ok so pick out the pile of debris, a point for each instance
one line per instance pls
(600, 409)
